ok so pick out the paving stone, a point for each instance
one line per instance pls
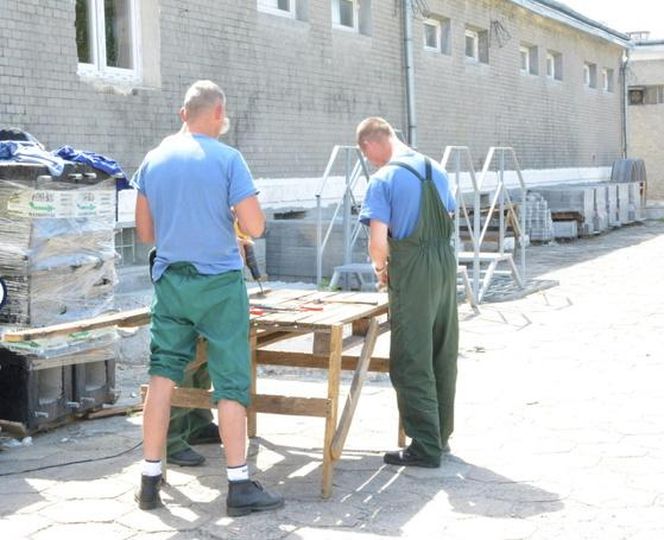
(559, 433)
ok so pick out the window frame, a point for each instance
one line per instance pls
(607, 79)
(290, 13)
(555, 59)
(524, 51)
(550, 61)
(439, 31)
(336, 16)
(475, 36)
(98, 68)
(590, 75)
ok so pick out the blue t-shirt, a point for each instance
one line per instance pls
(394, 194)
(191, 182)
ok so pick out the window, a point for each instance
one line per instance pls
(437, 35)
(590, 75)
(646, 95)
(432, 35)
(607, 80)
(352, 15)
(477, 45)
(286, 8)
(528, 59)
(524, 58)
(472, 45)
(554, 65)
(107, 38)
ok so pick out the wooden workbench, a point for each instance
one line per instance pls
(279, 316)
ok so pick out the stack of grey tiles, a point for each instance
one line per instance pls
(539, 225)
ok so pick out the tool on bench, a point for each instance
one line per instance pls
(262, 309)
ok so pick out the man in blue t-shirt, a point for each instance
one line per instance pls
(191, 189)
(407, 208)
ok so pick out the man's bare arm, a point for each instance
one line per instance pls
(144, 224)
(250, 216)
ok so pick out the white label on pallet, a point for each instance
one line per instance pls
(62, 204)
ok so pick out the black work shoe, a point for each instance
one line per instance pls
(186, 458)
(409, 459)
(147, 495)
(208, 435)
(249, 496)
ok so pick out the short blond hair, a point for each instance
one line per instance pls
(373, 128)
(201, 96)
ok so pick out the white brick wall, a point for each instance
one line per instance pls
(295, 89)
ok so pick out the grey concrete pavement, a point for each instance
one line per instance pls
(560, 433)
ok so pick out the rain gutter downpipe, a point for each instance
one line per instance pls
(410, 71)
(625, 102)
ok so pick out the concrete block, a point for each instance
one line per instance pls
(565, 229)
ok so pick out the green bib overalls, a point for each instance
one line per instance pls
(424, 323)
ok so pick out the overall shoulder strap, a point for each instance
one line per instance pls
(408, 168)
(412, 170)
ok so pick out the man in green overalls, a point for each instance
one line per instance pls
(191, 426)
(407, 208)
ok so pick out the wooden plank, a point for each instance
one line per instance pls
(134, 317)
(355, 390)
(293, 406)
(15, 428)
(196, 398)
(306, 360)
(333, 378)
(113, 411)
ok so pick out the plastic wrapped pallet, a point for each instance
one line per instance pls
(57, 255)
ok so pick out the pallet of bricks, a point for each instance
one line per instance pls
(57, 265)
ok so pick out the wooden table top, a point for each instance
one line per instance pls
(306, 309)
(311, 309)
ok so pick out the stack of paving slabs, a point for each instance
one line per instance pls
(57, 264)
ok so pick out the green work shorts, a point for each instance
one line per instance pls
(188, 305)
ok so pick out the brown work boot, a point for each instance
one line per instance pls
(147, 495)
(249, 496)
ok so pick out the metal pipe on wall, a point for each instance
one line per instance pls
(625, 103)
(410, 71)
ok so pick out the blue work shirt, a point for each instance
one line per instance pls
(191, 182)
(394, 194)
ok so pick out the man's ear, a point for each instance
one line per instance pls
(183, 114)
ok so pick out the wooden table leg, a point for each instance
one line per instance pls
(333, 376)
(355, 390)
(251, 411)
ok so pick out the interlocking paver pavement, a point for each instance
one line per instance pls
(560, 433)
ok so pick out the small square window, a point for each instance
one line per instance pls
(285, 8)
(554, 65)
(607, 80)
(590, 75)
(344, 14)
(524, 59)
(352, 15)
(472, 40)
(432, 35)
(528, 59)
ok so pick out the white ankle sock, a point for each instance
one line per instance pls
(151, 468)
(237, 474)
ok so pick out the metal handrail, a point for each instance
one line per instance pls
(348, 198)
(501, 196)
(460, 152)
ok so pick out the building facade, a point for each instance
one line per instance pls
(109, 76)
(646, 112)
